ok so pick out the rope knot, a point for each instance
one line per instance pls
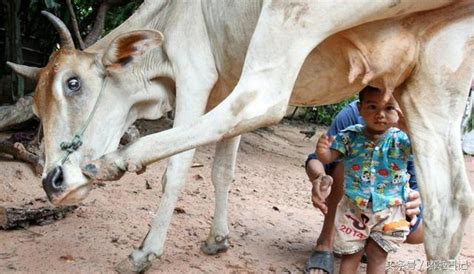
(73, 145)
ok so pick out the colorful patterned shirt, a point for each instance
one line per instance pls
(375, 172)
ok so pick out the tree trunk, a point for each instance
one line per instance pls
(17, 113)
(13, 45)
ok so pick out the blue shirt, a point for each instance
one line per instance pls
(349, 116)
(375, 172)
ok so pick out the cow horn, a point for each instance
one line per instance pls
(64, 34)
(25, 71)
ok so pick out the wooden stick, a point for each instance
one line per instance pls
(18, 151)
(22, 217)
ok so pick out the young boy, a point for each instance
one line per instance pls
(371, 215)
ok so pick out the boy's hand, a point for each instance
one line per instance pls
(324, 144)
(412, 207)
(321, 190)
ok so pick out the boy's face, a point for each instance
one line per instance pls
(379, 115)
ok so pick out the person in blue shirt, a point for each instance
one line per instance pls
(321, 260)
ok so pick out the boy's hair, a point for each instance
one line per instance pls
(366, 90)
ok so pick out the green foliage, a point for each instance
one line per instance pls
(117, 15)
(86, 11)
(324, 115)
(37, 28)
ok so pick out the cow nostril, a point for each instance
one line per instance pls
(55, 178)
(58, 181)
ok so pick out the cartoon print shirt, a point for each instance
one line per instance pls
(375, 172)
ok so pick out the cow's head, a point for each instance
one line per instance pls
(118, 79)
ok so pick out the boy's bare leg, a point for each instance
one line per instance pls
(350, 263)
(377, 257)
(416, 237)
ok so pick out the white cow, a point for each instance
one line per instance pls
(422, 57)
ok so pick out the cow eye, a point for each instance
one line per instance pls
(73, 84)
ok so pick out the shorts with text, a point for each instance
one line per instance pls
(388, 227)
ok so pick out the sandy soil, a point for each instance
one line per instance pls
(273, 224)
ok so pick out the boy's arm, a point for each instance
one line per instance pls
(325, 154)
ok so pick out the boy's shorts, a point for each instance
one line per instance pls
(388, 228)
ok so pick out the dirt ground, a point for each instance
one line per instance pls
(272, 221)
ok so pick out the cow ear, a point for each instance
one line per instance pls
(25, 71)
(128, 47)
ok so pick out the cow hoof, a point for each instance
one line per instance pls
(102, 170)
(127, 266)
(220, 244)
(131, 166)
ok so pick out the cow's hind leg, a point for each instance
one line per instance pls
(433, 100)
(222, 176)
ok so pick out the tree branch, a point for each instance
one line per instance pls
(18, 151)
(98, 26)
(75, 25)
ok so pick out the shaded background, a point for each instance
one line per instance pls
(27, 37)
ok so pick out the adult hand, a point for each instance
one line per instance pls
(321, 189)
(412, 207)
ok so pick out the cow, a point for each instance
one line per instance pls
(241, 63)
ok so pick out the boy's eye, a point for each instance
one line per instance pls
(371, 107)
(390, 108)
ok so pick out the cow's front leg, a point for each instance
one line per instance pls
(109, 168)
(193, 85)
(222, 176)
(152, 246)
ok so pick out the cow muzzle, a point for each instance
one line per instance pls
(54, 182)
(59, 192)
